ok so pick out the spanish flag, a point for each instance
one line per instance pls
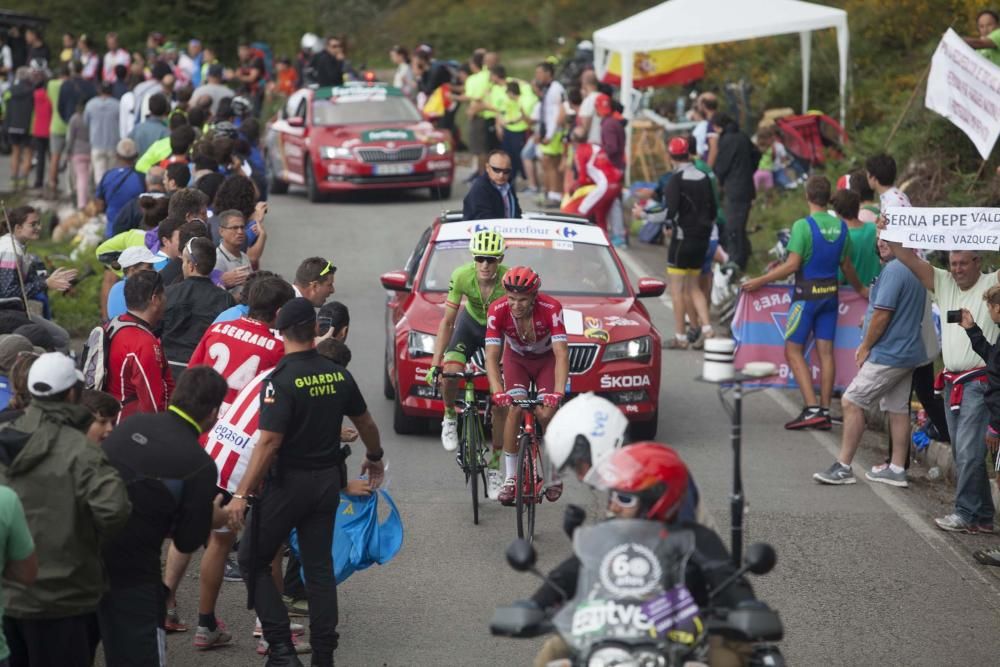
(655, 69)
(438, 103)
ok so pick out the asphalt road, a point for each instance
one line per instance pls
(863, 578)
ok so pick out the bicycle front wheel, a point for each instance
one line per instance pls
(526, 497)
(471, 444)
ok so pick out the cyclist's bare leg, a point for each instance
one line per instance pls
(544, 416)
(510, 430)
(499, 426)
(449, 386)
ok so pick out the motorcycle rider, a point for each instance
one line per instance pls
(649, 480)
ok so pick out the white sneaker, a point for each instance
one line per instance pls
(449, 434)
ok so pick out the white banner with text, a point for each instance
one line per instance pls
(964, 87)
(943, 228)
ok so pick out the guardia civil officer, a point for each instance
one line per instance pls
(294, 479)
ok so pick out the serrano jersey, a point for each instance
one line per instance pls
(232, 439)
(238, 351)
(546, 318)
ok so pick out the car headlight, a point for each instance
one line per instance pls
(335, 152)
(420, 344)
(621, 657)
(440, 148)
(637, 349)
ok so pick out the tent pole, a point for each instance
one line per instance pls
(627, 58)
(805, 44)
(843, 46)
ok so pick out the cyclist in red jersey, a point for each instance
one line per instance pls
(239, 350)
(530, 327)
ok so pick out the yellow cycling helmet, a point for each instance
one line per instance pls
(487, 243)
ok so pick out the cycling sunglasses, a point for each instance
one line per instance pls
(330, 268)
(500, 170)
(484, 259)
(624, 500)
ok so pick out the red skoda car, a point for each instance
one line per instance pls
(614, 349)
(359, 136)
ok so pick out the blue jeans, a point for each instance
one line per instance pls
(973, 500)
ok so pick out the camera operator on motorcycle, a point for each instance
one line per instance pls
(529, 326)
(649, 481)
(583, 433)
(462, 332)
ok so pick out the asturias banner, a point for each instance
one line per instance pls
(759, 330)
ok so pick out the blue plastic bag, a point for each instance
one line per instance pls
(359, 540)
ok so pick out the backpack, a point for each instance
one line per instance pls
(95, 353)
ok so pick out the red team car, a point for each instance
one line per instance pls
(614, 349)
(359, 136)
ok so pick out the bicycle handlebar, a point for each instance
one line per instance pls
(465, 375)
(527, 402)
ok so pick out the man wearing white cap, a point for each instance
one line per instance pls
(74, 500)
(132, 260)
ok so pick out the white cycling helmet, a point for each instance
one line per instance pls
(311, 43)
(584, 432)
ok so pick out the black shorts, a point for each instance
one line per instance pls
(467, 339)
(477, 140)
(18, 138)
(492, 140)
(686, 255)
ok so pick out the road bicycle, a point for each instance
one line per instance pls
(472, 448)
(530, 467)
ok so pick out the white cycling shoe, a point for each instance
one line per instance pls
(449, 434)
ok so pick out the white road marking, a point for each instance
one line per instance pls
(934, 537)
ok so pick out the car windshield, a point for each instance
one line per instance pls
(580, 269)
(385, 110)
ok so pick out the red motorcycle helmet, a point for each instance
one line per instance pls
(521, 279)
(652, 471)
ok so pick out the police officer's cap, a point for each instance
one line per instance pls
(295, 312)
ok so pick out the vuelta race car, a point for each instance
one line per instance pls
(359, 136)
(614, 349)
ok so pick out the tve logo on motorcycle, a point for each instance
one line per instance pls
(630, 570)
(621, 620)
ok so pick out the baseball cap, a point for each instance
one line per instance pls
(295, 312)
(678, 147)
(11, 345)
(38, 335)
(137, 254)
(127, 149)
(51, 374)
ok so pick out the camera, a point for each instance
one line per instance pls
(954, 316)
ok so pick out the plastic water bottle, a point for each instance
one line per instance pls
(934, 474)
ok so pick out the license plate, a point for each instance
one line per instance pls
(393, 169)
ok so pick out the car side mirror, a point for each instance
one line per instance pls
(648, 287)
(521, 556)
(297, 121)
(760, 558)
(395, 281)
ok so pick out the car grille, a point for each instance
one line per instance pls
(404, 154)
(422, 177)
(581, 358)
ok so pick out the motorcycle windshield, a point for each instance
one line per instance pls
(624, 564)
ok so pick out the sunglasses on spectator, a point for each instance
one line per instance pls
(483, 259)
(330, 268)
(499, 170)
(237, 227)
(624, 500)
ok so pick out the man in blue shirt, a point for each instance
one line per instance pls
(891, 347)
(11, 347)
(132, 260)
(120, 185)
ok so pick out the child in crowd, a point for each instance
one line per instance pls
(864, 236)
(774, 161)
(105, 408)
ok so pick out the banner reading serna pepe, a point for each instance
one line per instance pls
(943, 228)
(759, 330)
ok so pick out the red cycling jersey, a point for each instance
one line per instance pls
(547, 321)
(238, 351)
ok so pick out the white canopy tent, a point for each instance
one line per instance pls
(680, 23)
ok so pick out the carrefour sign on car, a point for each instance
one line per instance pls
(525, 229)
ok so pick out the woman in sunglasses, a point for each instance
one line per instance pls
(649, 480)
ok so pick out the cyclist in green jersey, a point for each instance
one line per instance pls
(463, 331)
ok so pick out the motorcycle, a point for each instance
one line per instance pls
(632, 608)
